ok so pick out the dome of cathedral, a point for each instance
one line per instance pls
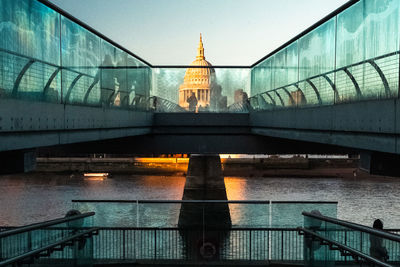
(199, 76)
(197, 80)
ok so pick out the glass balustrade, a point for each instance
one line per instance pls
(47, 56)
(352, 56)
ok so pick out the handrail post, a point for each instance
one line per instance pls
(282, 245)
(29, 241)
(123, 244)
(250, 245)
(155, 244)
(345, 242)
(137, 213)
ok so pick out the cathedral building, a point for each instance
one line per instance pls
(198, 80)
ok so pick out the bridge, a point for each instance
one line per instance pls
(331, 89)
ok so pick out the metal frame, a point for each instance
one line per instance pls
(92, 30)
(315, 90)
(382, 75)
(280, 98)
(353, 80)
(354, 226)
(288, 93)
(333, 245)
(21, 75)
(348, 73)
(47, 86)
(36, 226)
(87, 27)
(270, 97)
(50, 248)
(161, 201)
(311, 28)
(71, 86)
(89, 90)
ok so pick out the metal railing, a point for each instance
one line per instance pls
(332, 90)
(159, 104)
(50, 248)
(344, 250)
(235, 244)
(42, 239)
(347, 237)
(165, 213)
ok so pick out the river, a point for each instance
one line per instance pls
(35, 197)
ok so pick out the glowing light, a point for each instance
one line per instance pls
(101, 175)
(162, 160)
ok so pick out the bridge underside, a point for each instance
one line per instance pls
(368, 128)
(197, 144)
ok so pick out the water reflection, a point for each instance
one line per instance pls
(31, 198)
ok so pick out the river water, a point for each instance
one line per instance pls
(30, 198)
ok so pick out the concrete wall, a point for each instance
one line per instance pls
(30, 124)
(368, 125)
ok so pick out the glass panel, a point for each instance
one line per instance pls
(29, 51)
(250, 215)
(80, 59)
(261, 77)
(317, 51)
(369, 244)
(285, 66)
(20, 243)
(202, 89)
(124, 214)
(360, 45)
(30, 29)
(111, 214)
(290, 214)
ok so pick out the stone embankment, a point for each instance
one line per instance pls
(258, 167)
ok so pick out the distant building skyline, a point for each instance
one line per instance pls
(237, 32)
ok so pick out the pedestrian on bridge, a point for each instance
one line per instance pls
(377, 250)
(192, 100)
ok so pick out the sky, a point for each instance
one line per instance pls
(166, 32)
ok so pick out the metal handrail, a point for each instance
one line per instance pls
(42, 225)
(367, 61)
(165, 104)
(355, 226)
(352, 251)
(201, 201)
(48, 247)
(48, 63)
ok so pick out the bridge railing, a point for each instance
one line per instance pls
(350, 55)
(216, 88)
(348, 241)
(359, 81)
(165, 213)
(46, 239)
(47, 55)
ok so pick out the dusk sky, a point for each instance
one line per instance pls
(235, 32)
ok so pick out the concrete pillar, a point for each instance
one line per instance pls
(17, 161)
(378, 163)
(204, 226)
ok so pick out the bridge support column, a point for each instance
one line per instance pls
(380, 163)
(202, 224)
(17, 161)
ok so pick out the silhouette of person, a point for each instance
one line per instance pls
(155, 103)
(192, 100)
(76, 226)
(106, 76)
(377, 250)
(121, 75)
(310, 244)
